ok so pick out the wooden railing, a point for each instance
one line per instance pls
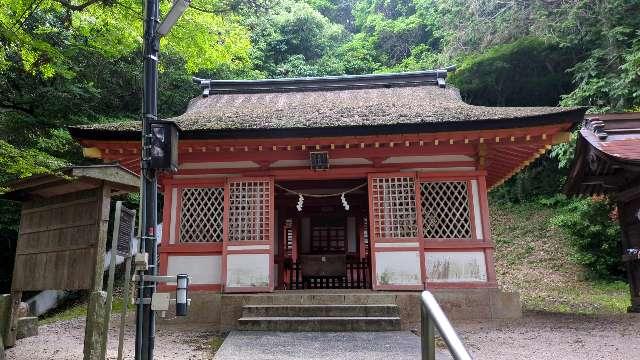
(295, 275)
(358, 276)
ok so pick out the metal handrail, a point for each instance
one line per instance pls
(432, 314)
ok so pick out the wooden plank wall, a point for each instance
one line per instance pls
(57, 242)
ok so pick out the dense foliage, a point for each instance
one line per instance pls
(594, 234)
(65, 62)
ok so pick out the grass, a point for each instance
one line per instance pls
(534, 258)
(215, 342)
(75, 309)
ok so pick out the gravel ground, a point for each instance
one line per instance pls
(535, 336)
(555, 336)
(64, 340)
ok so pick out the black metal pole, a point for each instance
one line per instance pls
(145, 317)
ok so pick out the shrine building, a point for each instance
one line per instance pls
(375, 182)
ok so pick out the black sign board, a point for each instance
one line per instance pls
(125, 230)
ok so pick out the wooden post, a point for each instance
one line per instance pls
(16, 298)
(95, 337)
(125, 305)
(2, 357)
(112, 271)
(94, 332)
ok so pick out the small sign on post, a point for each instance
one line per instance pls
(123, 232)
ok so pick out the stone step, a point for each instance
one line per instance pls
(27, 327)
(305, 297)
(333, 323)
(386, 310)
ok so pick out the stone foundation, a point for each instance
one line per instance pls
(222, 311)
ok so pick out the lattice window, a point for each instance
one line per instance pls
(202, 214)
(394, 207)
(445, 210)
(249, 210)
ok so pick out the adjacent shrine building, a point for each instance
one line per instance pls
(373, 181)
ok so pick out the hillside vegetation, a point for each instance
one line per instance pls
(535, 258)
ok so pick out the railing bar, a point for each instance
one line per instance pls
(428, 339)
(432, 314)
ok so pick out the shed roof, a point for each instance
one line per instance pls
(335, 106)
(73, 179)
(607, 155)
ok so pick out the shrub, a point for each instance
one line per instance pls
(594, 233)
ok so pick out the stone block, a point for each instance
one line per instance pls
(323, 299)
(379, 299)
(464, 304)
(409, 304)
(204, 309)
(257, 299)
(230, 311)
(356, 299)
(287, 299)
(505, 305)
(27, 326)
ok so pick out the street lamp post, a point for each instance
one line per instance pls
(153, 30)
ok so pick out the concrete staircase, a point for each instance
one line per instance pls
(312, 317)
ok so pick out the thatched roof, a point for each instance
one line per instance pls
(334, 106)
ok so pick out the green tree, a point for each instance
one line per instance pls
(527, 72)
(292, 39)
(595, 235)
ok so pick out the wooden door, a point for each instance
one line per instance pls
(247, 252)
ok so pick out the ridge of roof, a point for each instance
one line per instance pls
(342, 82)
(350, 105)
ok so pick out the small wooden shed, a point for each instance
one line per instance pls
(607, 161)
(63, 228)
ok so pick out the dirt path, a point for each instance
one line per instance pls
(535, 336)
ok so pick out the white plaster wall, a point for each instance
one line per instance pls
(174, 215)
(203, 269)
(277, 233)
(248, 270)
(476, 209)
(398, 268)
(456, 266)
